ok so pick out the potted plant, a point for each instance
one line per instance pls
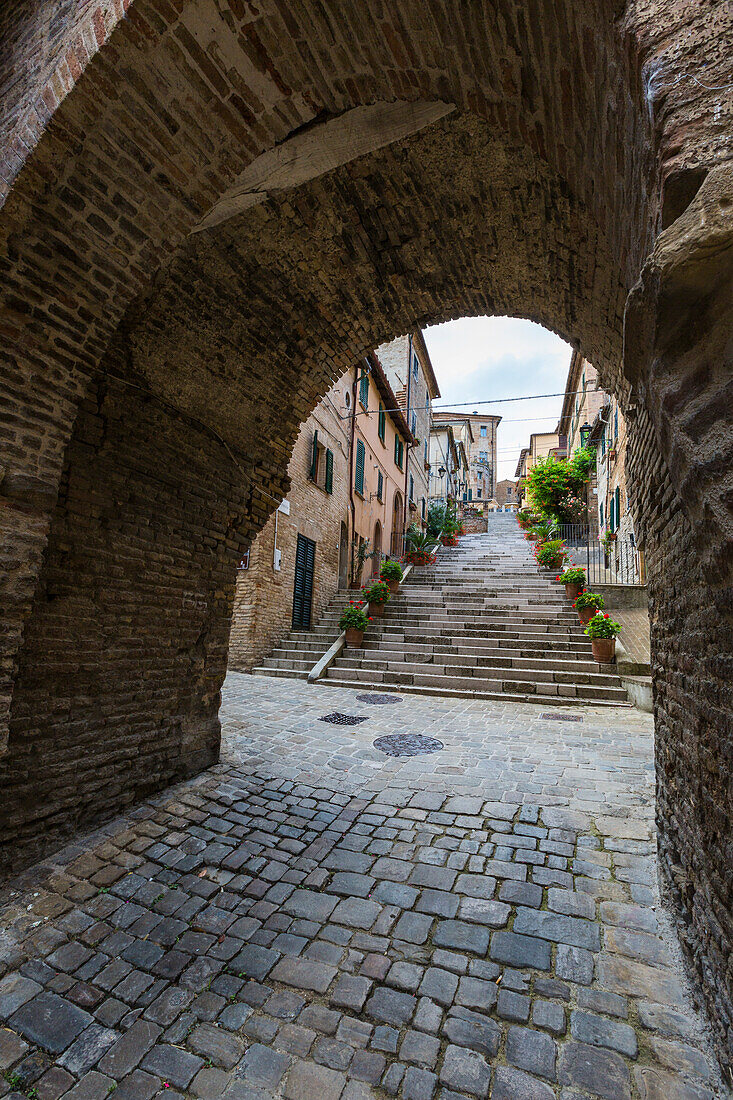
(574, 581)
(420, 548)
(586, 604)
(360, 553)
(602, 632)
(376, 595)
(354, 621)
(392, 573)
(550, 554)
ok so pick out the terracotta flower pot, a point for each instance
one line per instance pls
(531, 536)
(354, 637)
(604, 650)
(585, 614)
(376, 610)
(572, 591)
(394, 587)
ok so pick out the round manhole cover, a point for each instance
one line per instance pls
(407, 744)
(378, 699)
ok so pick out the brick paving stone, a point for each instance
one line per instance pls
(15, 990)
(421, 1048)
(92, 1086)
(586, 1027)
(351, 992)
(655, 1084)
(574, 964)
(550, 1016)
(594, 1070)
(518, 950)
(494, 914)
(513, 1006)
(405, 976)
(558, 928)
(310, 905)
(356, 913)
(599, 1001)
(223, 1048)
(172, 1064)
(571, 903)
(462, 936)
(307, 1081)
(438, 984)
(304, 974)
(86, 1051)
(255, 962)
(465, 1071)
(514, 1084)
(263, 1067)
(473, 1030)
(390, 1007)
(438, 902)
(476, 993)
(50, 1021)
(413, 927)
(419, 1084)
(55, 1082)
(532, 1051)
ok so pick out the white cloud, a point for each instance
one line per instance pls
(478, 359)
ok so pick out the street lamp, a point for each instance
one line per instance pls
(585, 431)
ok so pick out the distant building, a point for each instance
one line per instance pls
(448, 466)
(408, 368)
(581, 405)
(506, 494)
(481, 451)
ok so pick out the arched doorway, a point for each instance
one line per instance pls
(398, 526)
(377, 548)
(182, 334)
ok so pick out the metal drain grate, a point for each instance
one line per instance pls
(337, 719)
(562, 717)
(407, 744)
(380, 700)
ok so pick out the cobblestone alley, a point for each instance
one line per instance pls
(316, 918)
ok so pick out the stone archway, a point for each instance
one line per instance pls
(148, 341)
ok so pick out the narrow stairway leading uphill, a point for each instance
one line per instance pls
(481, 622)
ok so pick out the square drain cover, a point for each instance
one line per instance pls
(562, 717)
(337, 719)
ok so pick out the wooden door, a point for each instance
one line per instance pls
(305, 557)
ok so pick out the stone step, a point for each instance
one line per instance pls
(481, 672)
(497, 688)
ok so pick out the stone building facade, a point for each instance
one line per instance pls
(506, 494)
(311, 524)
(582, 403)
(447, 463)
(407, 364)
(480, 442)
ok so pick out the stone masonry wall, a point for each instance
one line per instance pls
(117, 692)
(263, 603)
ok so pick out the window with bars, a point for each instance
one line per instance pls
(412, 487)
(399, 451)
(381, 423)
(413, 422)
(321, 471)
(380, 486)
(415, 366)
(364, 389)
(359, 471)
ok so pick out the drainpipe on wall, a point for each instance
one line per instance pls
(352, 506)
(408, 447)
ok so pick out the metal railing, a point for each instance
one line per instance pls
(619, 561)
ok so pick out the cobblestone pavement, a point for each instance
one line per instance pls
(316, 920)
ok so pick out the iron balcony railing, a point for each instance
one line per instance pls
(618, 561)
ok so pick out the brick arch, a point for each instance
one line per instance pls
(144, 426)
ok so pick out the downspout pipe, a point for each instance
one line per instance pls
(408, 446)
(352, 506)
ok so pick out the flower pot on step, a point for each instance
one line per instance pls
(585, 614)
(354, 637)
(572, 591)
(394, 587)
(376, 610)
(604, 650)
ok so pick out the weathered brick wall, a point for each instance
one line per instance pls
(117, 692)
(263, 603)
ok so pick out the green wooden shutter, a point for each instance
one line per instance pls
(396, 449)
(380, 485)
(618, 506)
(364, 388)
(382, 423)
(314, 457)
(329, 471)
(359, 475)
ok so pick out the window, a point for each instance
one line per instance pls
(617, 497)
(359, 472)
(364, 389)
(399, 451)
(483, 431)
(321, 471)
(422, 507)
(483, 456)
(412, 487)
(347, 399)
(415, 366)
(478, 494)
(509, 492)
(413, 422)
(427, 400)
(380, 486)
(615, 424)
(425, 452)
(603, 445)
(381, 423)
(600, 514)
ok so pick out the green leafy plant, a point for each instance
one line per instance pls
(602, 626)
(377, 592)
(551, 554)
(588, 599)
(361, 553)
(583, 462)
(13, 1079)
(419, 540)
(608, 540)
(391, 570)
(354, 617)
(555, 487)
(574, 575)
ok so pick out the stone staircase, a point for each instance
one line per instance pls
(296, 653)
(482, 622)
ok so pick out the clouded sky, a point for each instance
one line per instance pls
(480, 358)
